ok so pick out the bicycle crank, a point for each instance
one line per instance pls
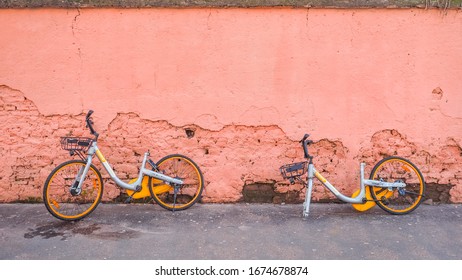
(143, 192)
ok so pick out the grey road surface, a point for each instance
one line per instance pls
(232, 231)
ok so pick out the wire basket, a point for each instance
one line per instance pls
(76, 143)
(293, 170)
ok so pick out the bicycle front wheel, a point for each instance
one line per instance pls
(398, 201)
(66, 203)
(177, 197)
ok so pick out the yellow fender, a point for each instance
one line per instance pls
(159, 188)
(361, 207)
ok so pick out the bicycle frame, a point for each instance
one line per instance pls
(135, 186)
(361, 198)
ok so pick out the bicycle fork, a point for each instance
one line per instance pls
(76, 187)
(306, 204)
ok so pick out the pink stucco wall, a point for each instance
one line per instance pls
(365, 83)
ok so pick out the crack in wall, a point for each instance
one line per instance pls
(79, 52)
(74, 22)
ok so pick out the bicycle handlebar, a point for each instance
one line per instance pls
(89, 114)
(90, 124)
(305, 144)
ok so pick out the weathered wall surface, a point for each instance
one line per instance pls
(248, 82)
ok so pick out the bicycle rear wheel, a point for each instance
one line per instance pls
(66, 204)
(178, 197)
(398, 201)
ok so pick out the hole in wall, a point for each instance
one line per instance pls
(189, 132)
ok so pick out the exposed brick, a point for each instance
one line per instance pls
(232, 159)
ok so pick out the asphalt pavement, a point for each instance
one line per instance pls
(232, 232)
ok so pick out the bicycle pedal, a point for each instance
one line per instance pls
(128, 200)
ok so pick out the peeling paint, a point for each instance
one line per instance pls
(240, 163)
(437, 93)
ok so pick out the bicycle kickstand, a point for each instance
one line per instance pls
(175, 193)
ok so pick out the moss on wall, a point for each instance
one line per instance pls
(231, 3)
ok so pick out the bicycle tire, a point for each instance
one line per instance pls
(181, 167)
(398, 201)
(59, 200)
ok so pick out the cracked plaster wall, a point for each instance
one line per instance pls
(248, 83)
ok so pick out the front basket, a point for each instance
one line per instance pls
(293, 170)
(76, 143)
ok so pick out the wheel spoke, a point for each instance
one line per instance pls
(65, 205)
(403, 200)
(183, 196)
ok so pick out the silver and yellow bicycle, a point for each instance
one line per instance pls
(74, 188)
(395, 184)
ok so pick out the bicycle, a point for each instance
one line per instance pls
(395, 184)
(74, 188)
